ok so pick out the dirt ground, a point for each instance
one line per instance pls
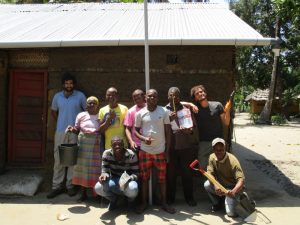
(274, 150)
(270, 157)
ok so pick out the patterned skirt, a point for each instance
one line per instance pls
(88, 168)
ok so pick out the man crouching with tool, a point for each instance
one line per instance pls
(226, 169)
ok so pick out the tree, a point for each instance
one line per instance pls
(254, 64)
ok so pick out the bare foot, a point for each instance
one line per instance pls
(168, 209)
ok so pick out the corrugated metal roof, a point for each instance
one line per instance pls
(98, 24)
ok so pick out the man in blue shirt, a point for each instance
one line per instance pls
(66, 104)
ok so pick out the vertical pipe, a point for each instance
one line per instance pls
(147, 78)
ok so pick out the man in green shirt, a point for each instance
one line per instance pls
(226, 169)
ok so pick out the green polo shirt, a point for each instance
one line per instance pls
(227, 171)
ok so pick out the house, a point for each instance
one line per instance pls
(103, 46)
(258, 98)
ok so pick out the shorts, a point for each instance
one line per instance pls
(147, 161)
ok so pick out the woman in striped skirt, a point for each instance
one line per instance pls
(88, 168)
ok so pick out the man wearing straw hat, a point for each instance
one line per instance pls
(66, 104)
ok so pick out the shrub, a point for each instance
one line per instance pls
(278, 119)
(254, 117)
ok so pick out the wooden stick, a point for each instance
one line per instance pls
(214, 181)
(209, 177)
(174, 104)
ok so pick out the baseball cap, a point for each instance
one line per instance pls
(217, 140)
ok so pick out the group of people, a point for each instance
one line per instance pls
(138, 139)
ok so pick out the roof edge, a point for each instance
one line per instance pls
(137, 42)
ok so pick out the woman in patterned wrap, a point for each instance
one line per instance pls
(88, 168)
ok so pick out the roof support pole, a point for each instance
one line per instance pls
(147, 78)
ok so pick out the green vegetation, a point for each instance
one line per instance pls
(254, 64)
(239, 99)
(254, 117)
(278, 119)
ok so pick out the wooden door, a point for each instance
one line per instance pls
(27, 117)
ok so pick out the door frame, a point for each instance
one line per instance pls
(11, 108)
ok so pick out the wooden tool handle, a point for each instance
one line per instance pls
(209, 177)
(215, 182)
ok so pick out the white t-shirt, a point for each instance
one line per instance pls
(152, 124)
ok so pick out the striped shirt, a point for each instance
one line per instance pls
(113, 168)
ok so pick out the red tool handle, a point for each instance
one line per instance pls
(194, 163)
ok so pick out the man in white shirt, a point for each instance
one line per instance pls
(152, 126)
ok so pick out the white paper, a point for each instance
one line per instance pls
(185, 118)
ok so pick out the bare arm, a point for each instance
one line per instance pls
(168, 138)
(54, 114)
(225, 117)
(103, 126)
(191, 106)
(128, 131)
(73, 129)
(239, 186)
(147, 140)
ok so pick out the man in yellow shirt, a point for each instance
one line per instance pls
(112, 117)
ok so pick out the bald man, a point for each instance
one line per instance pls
(112, 118)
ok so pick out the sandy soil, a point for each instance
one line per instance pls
(274, 150)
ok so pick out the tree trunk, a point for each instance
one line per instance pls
(265, 115)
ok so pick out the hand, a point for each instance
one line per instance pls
(111, 115)
(231, 193)
(102, 178)
(219, 192)
(173, 116)
(133, 146)
(71, 129)
(228, 106)
(133, 177)
(148, 140)
(186, 130)
(194, 108)
(68, 129)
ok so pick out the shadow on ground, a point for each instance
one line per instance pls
(264, 178)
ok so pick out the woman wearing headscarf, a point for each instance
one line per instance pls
(88, 167)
